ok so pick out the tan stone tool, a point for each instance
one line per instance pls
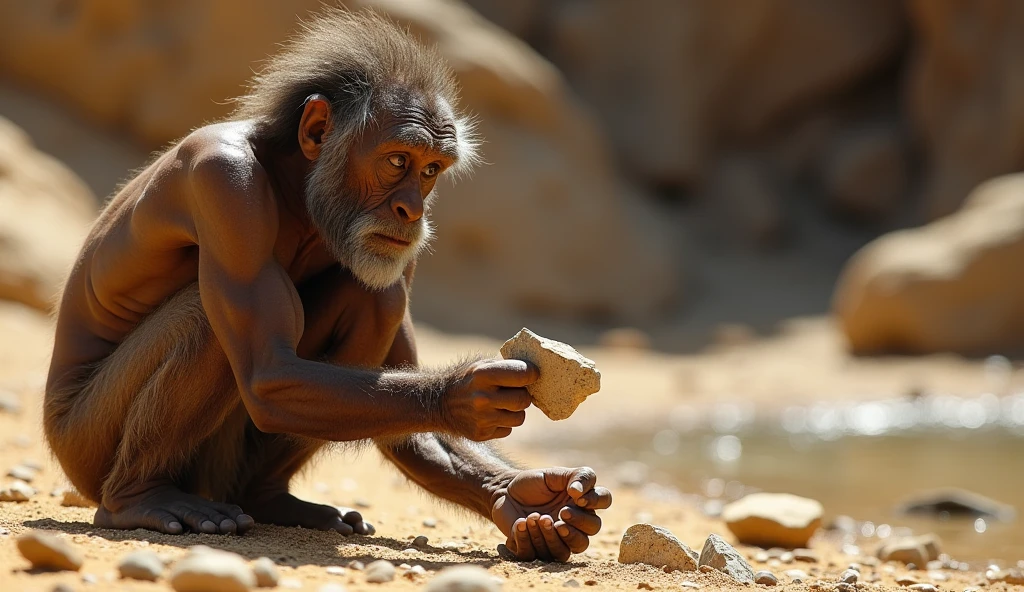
(567, 378)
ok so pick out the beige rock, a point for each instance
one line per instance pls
(380, 571)
(22, 473)
(141, 565)
(654, 545)
(1014, 577)
(16, 491)
(463, 578)
(72, 498)
(265, 570)
(773, 519)
(47, 551)
(950, 286)
(566, 377)
(918, 550)
(46, 213)
(210, 570)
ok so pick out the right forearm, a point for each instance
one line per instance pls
(328, 402)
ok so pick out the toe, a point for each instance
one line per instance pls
(369, 528)
(244, 522)
(162, 521)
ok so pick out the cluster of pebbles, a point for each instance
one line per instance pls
(204, 569)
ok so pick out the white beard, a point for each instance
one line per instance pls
(348, 231)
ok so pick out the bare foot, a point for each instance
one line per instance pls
(284, 509)
(169, 510)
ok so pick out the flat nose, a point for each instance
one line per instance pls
(407, 204)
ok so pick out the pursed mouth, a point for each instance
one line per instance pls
(392, 240)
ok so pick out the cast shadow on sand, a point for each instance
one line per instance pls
(295, 547)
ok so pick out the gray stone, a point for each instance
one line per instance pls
(722, 556)
(797, 575)
(918, 550)
(765, 578)
(773, 519)
(566, 379)
(356, 565)
(9, 402)
(23, 473)
(420, 541)
(212, 571)
(654, 545)
(849, 576)
(266, 572)
(430, 522)
(46, 551)
(17, 491)
(463, 578)
(335, 570)
(380, 571)
(571, 583)
(141, 565)
(957, 502)
(805, 555)
(923, 588)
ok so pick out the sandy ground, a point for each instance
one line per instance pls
(638, 386)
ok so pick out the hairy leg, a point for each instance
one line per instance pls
(345, 324)
(127, 437)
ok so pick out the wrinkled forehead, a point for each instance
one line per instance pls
(405, 116)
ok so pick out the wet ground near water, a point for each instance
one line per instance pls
(858, 459)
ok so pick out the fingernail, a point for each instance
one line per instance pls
(521, 526)
(564, 531)
(576, 486)
(581, 502)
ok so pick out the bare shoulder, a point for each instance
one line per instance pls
(220, 164)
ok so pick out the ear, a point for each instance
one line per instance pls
(314, 125)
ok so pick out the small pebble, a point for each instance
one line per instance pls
(765, 578)
(46, 551)
(906, 581)
(17, 491)
(22, 472)
(291, 583)
(463, 578)
(796, 575)
(205, 570)
(4, 531)
(937, 576)
(787, 557)
(844, 587)
(404, 566)
(571, 584)
(266, 572)
(923, 588)
(141, 565)
(410, 551)
(689, 584)
(362, 503)
(356, 565)
(9, 402)
(420, 541)
(416, 570)
(430, 522)
(855, 567)
(805, 555)
(594, 583)
(761, 557)
(336, 570)
(849, 576)
(89, 579)
(380, 571)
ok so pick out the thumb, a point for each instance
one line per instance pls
(575, 482)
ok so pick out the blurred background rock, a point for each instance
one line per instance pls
(687, 169)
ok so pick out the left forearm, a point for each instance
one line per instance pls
(458, 470)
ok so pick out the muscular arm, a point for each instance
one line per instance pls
(458, 470)
(257, 316)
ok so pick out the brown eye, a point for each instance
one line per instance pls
(432, 170)
(397, 160)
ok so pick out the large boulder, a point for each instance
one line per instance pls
(675, 81)
(953, 285)
(545, 228)
(965, 94)
(45, 211)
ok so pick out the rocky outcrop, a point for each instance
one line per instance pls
(46, 213)
(965, 94)
(953, 285)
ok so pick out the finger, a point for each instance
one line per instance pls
(521, 538)
(574, 539)
(556, 546)
(243, 521)
(500, 433)
(224, 524)
(598, 498)
(355, 520)
(196, 520)
(540, 546)
(588, 522)
(163, 521)
(512, 399)
(508, 373)
(338, 525)
(510, 419)
(582, 481)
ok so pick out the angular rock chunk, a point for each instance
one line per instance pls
(380, 571)
(463, 578)
(918, 550)
(17, 491)
(567, 378)
(141, 565)
(765, 578)
(720, 555)
(266, 572)
(773, 519)
(46, 551)
(654, 545)
(208, 570)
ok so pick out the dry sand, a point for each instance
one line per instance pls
(637, 387)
